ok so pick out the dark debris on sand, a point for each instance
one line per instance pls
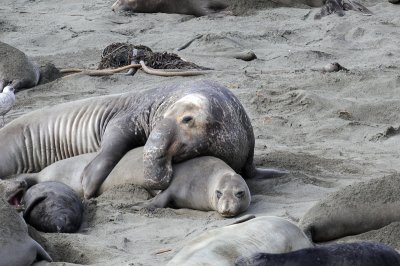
(121, 54)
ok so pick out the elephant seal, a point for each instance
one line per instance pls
(202, 183)
(355, 209)
(17, 247)
(17, 69)
(349, 254)
(222, 246)
(187, 7)
(175, 123)
(53, 207)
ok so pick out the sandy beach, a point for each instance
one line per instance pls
(328, 129)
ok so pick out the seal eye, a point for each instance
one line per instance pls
(239, 194)
(187, 119)
(219, 194)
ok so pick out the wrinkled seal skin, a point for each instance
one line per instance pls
(187, 7)
(349, 254)
(355, 209)
(17, 69)
(222, 246)
(203, 183)
(17, 247)
(175, 123)
(53, 207)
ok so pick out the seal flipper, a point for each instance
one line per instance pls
(41, 253)
(30, 179)
(161, 200)
(269, 173)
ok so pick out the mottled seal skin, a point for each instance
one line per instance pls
(17, 69)
(222, 246)
(17, 247)
(349, 254)
(53, 207)
(187, 7)
(203, 183)
(354, 209)
(174, 123)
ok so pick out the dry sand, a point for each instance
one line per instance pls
(329, 130)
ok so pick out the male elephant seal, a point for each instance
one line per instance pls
(17, 69)
(349, 254)
(355, 209)
(203, 183)
(187, 7)
(17, 247)
(175, 123)
(53, 207)
(222, 246)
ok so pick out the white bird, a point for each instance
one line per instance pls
(7, 100)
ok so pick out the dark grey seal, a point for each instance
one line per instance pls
(187, 7)
(16, 69)
(349, 254)
(174, 123)
(53, 207)
(17, 248)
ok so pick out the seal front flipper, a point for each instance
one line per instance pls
(41, 253)
(159, 201)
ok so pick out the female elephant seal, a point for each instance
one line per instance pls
(53, 207)
(222, 246)
(187, 7)
(355, 209)
(17, 69)
(17, 247)
(349, 254)
(175, 123)
(204, 183)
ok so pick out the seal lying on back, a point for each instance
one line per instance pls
(203, 183)
(222, 246)
(187, 7)
(349, 254)
(17, 247)
(355, 209)
(53, 207)
(175, 123)
(17, 69)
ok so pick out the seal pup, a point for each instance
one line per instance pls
(196, 8)
(53, 207)
(17, 247)
(347, 254)
(17, 69)
(222, 246)
(221, 188)
(355, 209)
(7, 101)
(175, 123)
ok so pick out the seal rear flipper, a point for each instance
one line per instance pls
(41, 253)
(269, 173)
(30, 179)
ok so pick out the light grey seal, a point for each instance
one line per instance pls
(222, 246)
(203, 183)
(175, 123)
(349, 254)
(17, 247)
(53, 207)
(187, 7)
(354, 209)
(17, 69)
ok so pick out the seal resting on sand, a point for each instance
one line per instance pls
(203, 183)
(187, 7)
(222, 246)
(17, 247)
(17, 69)
(175, 123)
(53, 207)
(348, 254)
(355, 209)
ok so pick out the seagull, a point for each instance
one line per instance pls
(7, 100)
